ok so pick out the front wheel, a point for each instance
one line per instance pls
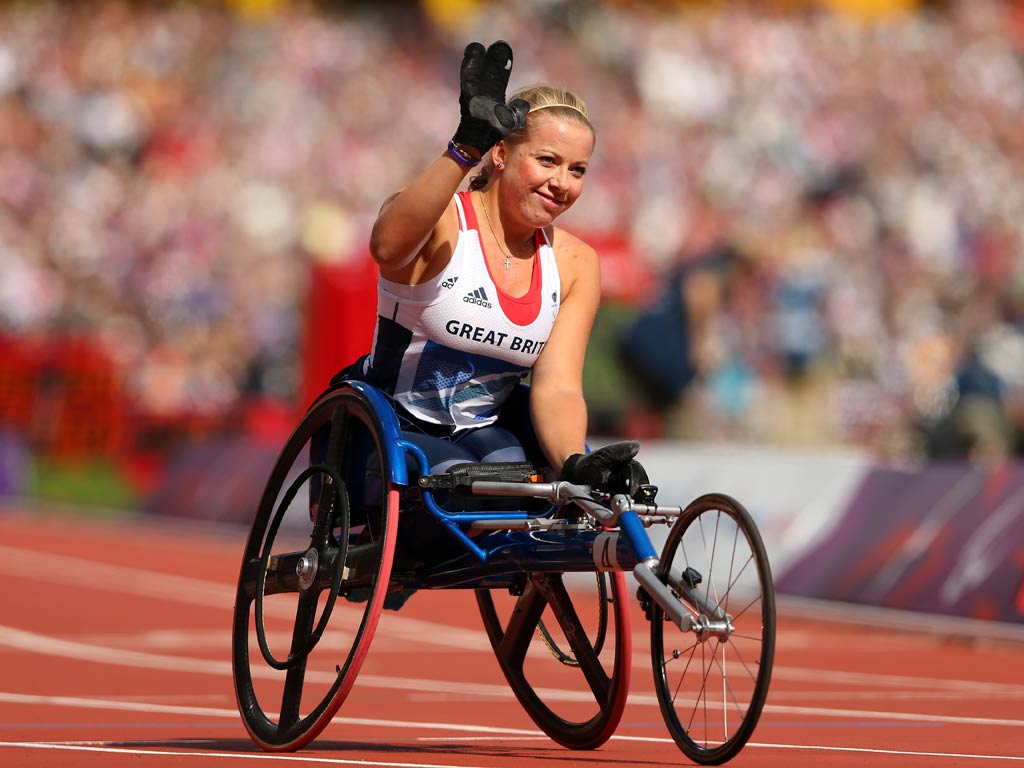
(712, 681)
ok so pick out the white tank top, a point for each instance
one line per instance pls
(450, 350)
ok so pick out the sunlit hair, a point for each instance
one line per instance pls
(564, 104)
(546, 102)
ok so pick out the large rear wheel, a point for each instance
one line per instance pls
(314, 574)
(563, 643)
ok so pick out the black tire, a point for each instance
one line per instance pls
(323, 539)
(571, 637)
(712, 685)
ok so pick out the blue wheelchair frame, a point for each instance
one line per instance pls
(518, 548)
(524, 551)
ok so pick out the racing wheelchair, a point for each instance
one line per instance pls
(548, 562)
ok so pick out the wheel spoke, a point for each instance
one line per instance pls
(727, 683)
(561, 605)
(741, 660)
(686, 668)
(305, 615)
(756, 600)
(521, 626)
(576, 724)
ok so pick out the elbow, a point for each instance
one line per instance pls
(381, 251)
(390, 251)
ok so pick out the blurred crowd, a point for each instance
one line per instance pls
(834, 205)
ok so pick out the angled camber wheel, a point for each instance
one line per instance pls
(315, 572)
(564, 646)
(712, 681)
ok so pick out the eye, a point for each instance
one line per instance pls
(578, 170)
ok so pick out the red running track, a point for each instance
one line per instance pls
(115, 650)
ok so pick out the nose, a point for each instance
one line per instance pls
(559, 180)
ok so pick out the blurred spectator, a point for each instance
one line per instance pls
(976, 425)
(169, 171)
(678, 338)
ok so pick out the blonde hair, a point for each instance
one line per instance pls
(545, 101)
(567, 105)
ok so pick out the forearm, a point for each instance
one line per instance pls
(560, 422)
(407, 221)
(408, 218)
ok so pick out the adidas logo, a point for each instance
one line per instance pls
(450, 282)
(478, 297)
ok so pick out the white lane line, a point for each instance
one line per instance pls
(909, 717)
(79, 572)
(551, 695)
(901, 682)
(232, 714)
(760, 745)
(191, 591)
(907, 752)
(36, 643)
(754, 745)
(81, 702)
(294, 757)
(31, 642)
(870, 685)
(291, 757)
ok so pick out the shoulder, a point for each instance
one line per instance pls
(576, 259)
(567, 245)
(573, 255)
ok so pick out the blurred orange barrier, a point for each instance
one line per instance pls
(19, 369)
(341, 313)
(63, 395)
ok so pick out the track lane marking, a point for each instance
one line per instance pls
(120, 579)
(32, 642)
(293, 757)
(35, 643)
(184, 589)
(232, 714)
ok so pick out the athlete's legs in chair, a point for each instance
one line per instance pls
(515, 417)
(422, 538)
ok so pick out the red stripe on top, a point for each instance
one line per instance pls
(468, 212)
(521, 310)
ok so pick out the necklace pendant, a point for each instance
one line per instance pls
(507, 262)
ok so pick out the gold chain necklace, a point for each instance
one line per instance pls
(498, 240)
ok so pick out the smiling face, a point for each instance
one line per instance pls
(544, 169)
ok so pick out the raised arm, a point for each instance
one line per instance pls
(407, 225)
(408, 220)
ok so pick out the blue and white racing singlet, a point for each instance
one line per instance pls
(450, 350)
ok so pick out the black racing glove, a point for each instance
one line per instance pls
(611, 468)
(486, 119)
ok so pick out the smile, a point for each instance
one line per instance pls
(552, 202)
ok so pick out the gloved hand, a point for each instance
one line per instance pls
(486, 119)
(611, 468)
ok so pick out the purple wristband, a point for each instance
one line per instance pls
(460, 156)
